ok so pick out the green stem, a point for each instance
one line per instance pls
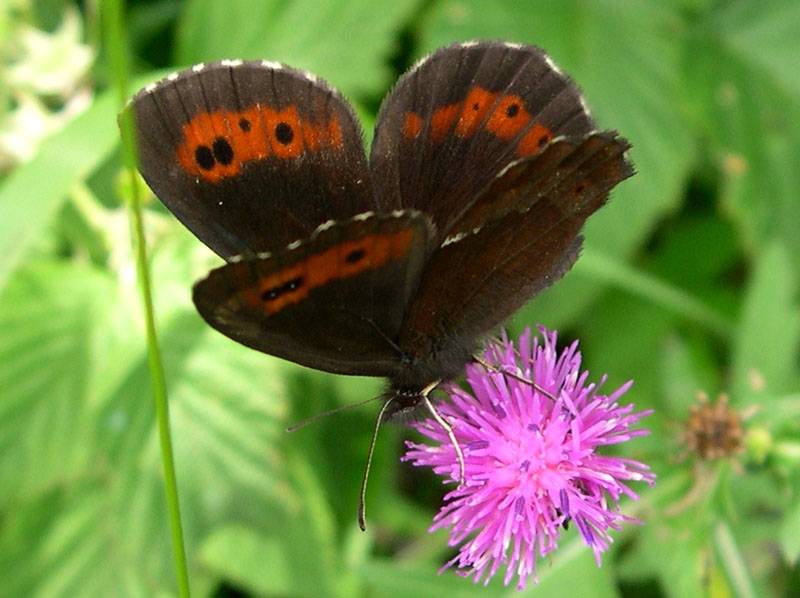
(732, 560)
(116, 44)
(640, 284)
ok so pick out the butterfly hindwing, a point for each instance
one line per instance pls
(333, 302)
(481, 277)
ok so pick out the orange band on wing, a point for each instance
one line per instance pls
(534, 139)
(412, 125)
(349, 258)
(217, 144)
(504, 116)
(508, 118)
(476, 107)
(442, 120)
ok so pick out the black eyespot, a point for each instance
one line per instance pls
(543, 139)
(512, 110)
(244, 124)
(355, 256)
(292, 285)
(273, 293)
(223, 151)
(475, 106)
(204, 157)
(284, 133)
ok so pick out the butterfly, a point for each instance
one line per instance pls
(484, 166)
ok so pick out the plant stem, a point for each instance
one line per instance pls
(116, 44)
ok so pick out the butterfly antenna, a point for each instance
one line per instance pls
(319, 416)
(493, 368)
(447, 428)
(362, 508)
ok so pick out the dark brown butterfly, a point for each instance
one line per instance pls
(484, 166)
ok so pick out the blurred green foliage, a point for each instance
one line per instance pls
(689, 282)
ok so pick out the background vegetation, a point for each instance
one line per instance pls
(689, 282)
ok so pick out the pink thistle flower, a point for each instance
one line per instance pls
(531, 460)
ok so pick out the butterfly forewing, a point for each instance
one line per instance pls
(251, 156)
(453, 122)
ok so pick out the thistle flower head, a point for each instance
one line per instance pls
(532, 465)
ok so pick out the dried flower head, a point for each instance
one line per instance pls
(713, 430)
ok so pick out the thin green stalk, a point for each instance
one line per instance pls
(732, 560)
(116, 45)
(640, 284)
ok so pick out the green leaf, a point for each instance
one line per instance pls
(241, 555)
(30, 196)
(49, 316)
(64, 544)
(91, 443)
(33, 192)
(766, 348)
(742, 73)
(297, 546)
(686, 369)
(790, 539)
(764, 34)
(348, 43)
(684, 539)
(573, 566)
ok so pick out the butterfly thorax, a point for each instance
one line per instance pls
(432, 360)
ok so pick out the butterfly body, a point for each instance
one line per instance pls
(484, 167)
